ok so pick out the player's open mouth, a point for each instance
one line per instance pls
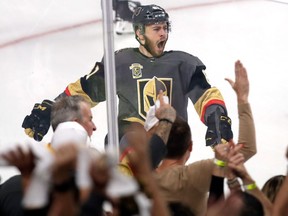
(161, 44)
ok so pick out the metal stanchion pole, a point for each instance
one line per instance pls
(110, 80)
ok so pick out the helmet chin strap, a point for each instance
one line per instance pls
(145, 46)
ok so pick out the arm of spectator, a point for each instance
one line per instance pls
(100, 172)
(24, 161)
(223, 153)
(65, 200)
(220, 170)
(166, 115)
(141, 164)
(246, 123)
(64, 164)
(232, 180)
(216, 190)
(249, 184)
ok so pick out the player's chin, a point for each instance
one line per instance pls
(159, 50)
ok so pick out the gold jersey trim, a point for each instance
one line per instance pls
(209, 95)
(76, 89)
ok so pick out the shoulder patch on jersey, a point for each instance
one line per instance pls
(136, 69)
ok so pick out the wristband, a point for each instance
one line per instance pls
(219, 163)
(250, 186)
(166, 120)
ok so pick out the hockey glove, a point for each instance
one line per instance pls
(38, 122)
(219, 128)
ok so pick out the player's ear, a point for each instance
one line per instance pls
(139, 34)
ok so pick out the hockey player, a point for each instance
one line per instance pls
(140, 74)
(123, 15)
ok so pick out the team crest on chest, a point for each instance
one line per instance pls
(136, 69)
(148, 90)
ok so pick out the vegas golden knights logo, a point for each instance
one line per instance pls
(136, 70)
(148, 90)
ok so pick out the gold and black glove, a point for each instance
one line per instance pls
(37, 124)
(218, 128)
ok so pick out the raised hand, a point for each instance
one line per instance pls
(164, 110)
(241, 84)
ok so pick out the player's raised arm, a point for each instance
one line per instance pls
(90, 86)
(210, 106)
